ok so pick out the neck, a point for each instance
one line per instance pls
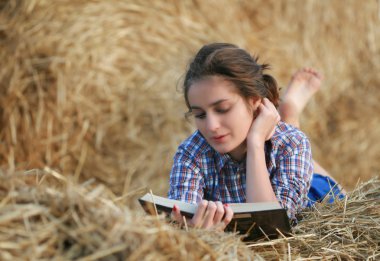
(239, 152)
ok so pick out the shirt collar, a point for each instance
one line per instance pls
(224, 158)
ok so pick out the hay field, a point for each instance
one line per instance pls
(89, 88)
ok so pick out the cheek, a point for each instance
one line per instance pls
(246, 125)
(200, 126)
(242, 123)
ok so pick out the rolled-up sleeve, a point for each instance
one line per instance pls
(186, 180)
(291, 182)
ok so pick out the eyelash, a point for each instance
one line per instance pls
(200, 116)
(203, 115)
(222, 110)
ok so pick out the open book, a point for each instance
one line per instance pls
(254, 220)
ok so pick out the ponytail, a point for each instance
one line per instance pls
(272, 89)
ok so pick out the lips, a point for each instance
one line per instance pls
(219, 138)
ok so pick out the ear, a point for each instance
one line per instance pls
(255, 102)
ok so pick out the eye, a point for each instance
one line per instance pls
(222, 110)
(200, 115)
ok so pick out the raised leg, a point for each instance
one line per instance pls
(303, 85)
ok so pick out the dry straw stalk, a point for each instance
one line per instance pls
(44, 215)
(89, 87)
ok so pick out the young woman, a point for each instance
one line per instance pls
(241, 151)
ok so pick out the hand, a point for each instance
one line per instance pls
(264, 123)
(209, 215)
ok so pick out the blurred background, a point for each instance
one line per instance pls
(92, 88)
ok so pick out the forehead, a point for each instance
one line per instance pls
(211, 89)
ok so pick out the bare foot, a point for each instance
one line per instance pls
(303, 85)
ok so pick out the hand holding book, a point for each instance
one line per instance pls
(208, 215)
(254, 220)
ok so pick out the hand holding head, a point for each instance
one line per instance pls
(264, 124)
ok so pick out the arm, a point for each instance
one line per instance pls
(291, 181)
(290, 184)
(258, 185)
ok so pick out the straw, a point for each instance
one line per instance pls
(90, 114)
(43, 216)
(90, 87)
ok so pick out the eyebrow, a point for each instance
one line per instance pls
(210, 105)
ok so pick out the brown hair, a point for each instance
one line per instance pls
(233, 64)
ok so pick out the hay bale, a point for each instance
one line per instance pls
(89, 88)
(348, 229)
(45, 215)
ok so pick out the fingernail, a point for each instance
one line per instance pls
(175, 208)
(226, 205)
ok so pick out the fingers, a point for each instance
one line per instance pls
(198, 217)
(268, 104)
(219, 212)
(176, 214)
(271, 115)
(214, 214)
(228, 215)
(211, 214)
(271, 109)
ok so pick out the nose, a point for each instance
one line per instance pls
(212, 123)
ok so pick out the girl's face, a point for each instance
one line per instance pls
(221, 115)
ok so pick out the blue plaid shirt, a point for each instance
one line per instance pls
(199, 172)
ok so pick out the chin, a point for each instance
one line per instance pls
(231, 148)
(222, 149)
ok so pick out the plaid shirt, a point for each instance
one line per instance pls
(199, 172)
